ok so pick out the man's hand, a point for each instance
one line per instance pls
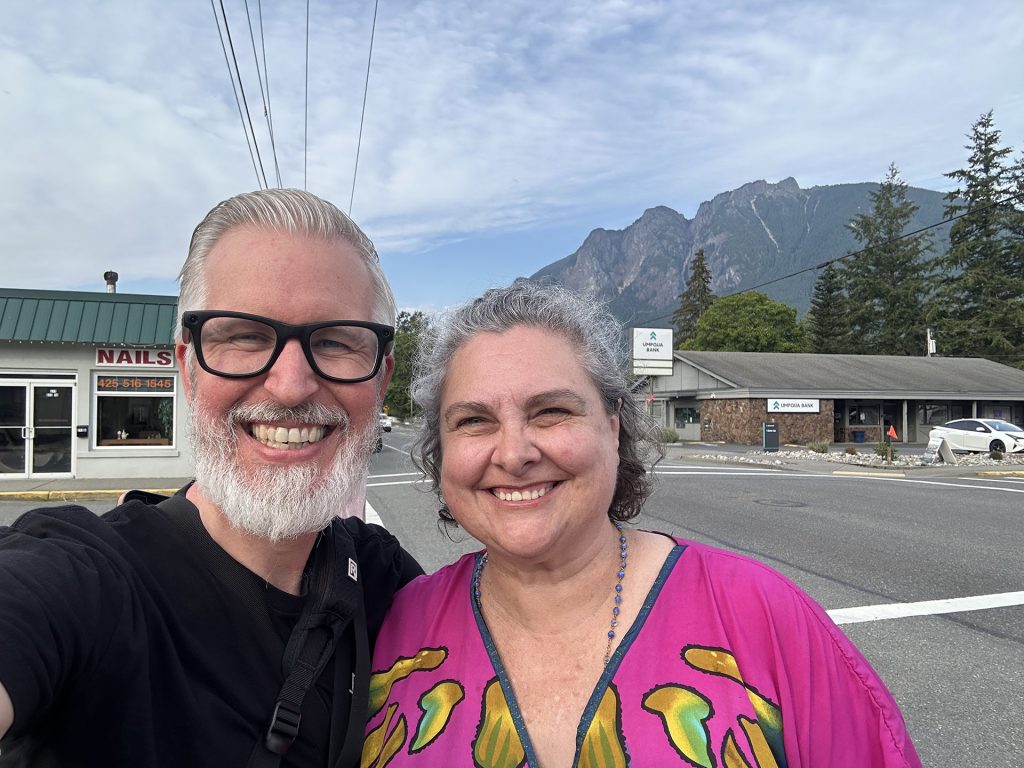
(6, 711)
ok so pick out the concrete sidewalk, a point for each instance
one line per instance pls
(73, 488)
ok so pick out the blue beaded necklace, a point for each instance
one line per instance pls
(617, 601)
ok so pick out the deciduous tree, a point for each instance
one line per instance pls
(408, 328)
(748, 322)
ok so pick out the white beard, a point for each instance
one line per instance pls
(276, 502)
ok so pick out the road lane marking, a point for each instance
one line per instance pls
(740, 472)
(395, 482)
(859, 473)
(924, 608)
(398, 474)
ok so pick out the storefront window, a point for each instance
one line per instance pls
(932, 414)
(864, 415)
(134, 411)
(684, 416)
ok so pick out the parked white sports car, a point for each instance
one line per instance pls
(981, 435)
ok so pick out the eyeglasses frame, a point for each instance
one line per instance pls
(192, 324)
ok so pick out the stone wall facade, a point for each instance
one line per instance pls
(739, 421)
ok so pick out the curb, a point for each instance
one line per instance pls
(79, 495)
(1001, 473)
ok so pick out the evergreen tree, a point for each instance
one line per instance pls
(980, 304)
(887, 282)
(694, 300)
(748, 322)
(827, 326)
(1013, 260)
(408, 328)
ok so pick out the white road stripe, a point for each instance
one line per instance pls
(393, 482)
(398, 474)
(924, 608)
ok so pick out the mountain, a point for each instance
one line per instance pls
(750, 235)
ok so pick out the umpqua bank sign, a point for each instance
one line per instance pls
(652, 351)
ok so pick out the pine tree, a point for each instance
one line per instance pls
(828, 328)
(694, 300)
(887, 281)
(979, 309)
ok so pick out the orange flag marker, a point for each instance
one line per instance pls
(892, 432)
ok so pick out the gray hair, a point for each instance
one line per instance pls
(601, 351)
(294, 211)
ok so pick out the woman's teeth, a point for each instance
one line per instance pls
(520, 495)
(287, 438)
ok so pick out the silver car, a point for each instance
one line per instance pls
(981, 435)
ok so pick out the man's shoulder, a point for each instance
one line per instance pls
(75, 527)
(384, 565)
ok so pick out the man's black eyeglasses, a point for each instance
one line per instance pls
(237, 345)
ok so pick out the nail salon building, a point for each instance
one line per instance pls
(89, 386)
(727, 396)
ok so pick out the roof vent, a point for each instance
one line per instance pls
(111, 278)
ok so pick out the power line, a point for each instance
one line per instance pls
(305, 127)
(264, 91)
(362, 116)
(965, 214)
(234, 88)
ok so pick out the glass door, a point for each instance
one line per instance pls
(52, 429)
(13, 428)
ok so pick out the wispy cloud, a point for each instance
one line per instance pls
(120, 129)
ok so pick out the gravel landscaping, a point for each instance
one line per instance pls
(865, 458)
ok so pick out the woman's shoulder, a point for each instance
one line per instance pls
(740, 576)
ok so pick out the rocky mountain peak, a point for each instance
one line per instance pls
(750, 235)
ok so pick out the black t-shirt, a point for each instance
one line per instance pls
(133, 639)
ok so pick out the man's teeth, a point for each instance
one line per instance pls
(287, 437)
(520, 495)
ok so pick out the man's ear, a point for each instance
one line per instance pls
(186, 380)
(387, 370)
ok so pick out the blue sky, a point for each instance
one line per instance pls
(497, 134)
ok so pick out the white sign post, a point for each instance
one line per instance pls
(652, 351)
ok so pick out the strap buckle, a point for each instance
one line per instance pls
(284, 727)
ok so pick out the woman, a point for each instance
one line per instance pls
(572, 640)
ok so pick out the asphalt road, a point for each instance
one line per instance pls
(848, 541)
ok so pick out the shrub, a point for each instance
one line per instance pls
(818, 447)
(997, 455)
(882, 449)
(851, 451)
(669, 435)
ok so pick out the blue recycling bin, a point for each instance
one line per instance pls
(858, 435)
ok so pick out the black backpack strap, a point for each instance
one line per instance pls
(351, 746)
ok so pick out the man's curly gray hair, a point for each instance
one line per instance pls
(601, 350)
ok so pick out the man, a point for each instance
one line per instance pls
(231, 625)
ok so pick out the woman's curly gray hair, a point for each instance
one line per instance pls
(601, 351)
